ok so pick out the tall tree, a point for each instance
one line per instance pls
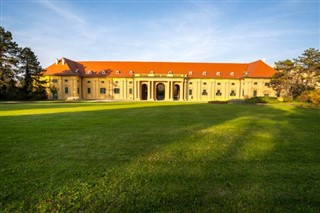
(9, 71)
(30, 66)
(294, 77)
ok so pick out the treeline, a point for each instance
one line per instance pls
(299, 78)
(20, 71)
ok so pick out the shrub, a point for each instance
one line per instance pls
(315, 97)
(304, 97)
(269, 100)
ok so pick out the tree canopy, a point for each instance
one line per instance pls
(20, 71)
(293, 77)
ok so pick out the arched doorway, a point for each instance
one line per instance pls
(160, 91)
(144, 92)
(176, 92)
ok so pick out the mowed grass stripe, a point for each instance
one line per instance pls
(159, 157)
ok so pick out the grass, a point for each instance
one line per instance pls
(159, 157)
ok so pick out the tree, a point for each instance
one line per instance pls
(33, 86)
(293, 77)
(9, 71)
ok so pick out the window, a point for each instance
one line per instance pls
(204, 83)
(232, 93)
(65, 80)
(170, 73)
(204, 92)
(89, 90)
(204, 73)
(117, 72)
(218, 83)
(231, 73)
(267, 84)
(78, 90)
(130, 82)
(131, 72)
(190, 72)
(103, 72)
(190, 83)
(254, 93)
(102, 90)
(54, 81)
(116, 90)
(266, 95)
(255, 83)
(190, 91)
(102, 82)
(78, 81)
(89, 72)
(116, 82)
(218, 93)
(218, 73)
(232, 84)
(130, 91)
(66, 90)
(151, 72)
(88, 82)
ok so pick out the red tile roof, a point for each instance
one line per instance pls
(192, 70)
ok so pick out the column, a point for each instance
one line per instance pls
(151, 90)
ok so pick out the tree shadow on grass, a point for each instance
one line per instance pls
(162, 158)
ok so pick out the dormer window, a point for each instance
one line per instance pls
(117, 72)
(90, 72)
(231, 73)
(131, 72)
(190, 72)
(103, 72)
(218, 73)
(77, 70)
(245, 73)
(170, 72)
(151, 72)
(204, 73)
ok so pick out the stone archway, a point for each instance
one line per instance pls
(160, 91)
(176, 92)
(144, 92)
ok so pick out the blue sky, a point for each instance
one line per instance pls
(198, 31)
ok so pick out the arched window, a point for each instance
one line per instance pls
(117, 72)
(90, 72)
(204, 73)
(218, 73)
(190, 72)
(231, 73)
(103, 72)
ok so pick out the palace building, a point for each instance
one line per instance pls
(169, 81)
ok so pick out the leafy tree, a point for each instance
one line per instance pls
(293, 77)
(9, 71)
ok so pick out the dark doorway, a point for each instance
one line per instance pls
(176, 92)
(160, 91)
(144, 92)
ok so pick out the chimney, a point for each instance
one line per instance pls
(57, 61)
(63, 61)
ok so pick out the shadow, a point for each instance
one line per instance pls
(185, 157)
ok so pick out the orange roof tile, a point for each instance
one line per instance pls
(192, 70)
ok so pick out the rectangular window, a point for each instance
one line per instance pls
(204, 92)
(190, 91)
(102, 82)
(130, 91)
(254, 93)
(54, 80)
(218, 83)
(78, 90)
(218, 93)
(255, 83)
(267, 84)
(102, 90)
(89, 90)
(116, 82)
(130, 82)
(66, 90)
(266, 95)
(116, 91)
(232, 84)
(190, 83)
(88, 82)
(66, 80)
(232, 93)
(204, 83)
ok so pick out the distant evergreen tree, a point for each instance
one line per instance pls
(32, 86)
(9, 70)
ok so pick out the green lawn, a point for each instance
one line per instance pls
(159, 157)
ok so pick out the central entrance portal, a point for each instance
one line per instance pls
(160, 91)
(144, 92)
